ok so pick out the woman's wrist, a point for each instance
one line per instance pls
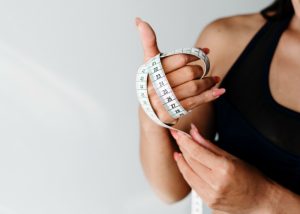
(280, 200)
(271, 198)
(288, 202)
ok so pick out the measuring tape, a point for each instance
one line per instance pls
(154, 69)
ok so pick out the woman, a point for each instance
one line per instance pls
(253, 166)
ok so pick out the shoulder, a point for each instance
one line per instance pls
(238, 22)
(229, 28)
(227, 37)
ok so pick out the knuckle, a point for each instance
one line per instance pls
(211, 82)
(191, 72)
(208, 82)
(194, 87)
(228, 168)
(211, 204)
(199, 70)
(183, 59)
(206, 96)
(188, 103)
(221, 187)
(163, 117)
(213, 201)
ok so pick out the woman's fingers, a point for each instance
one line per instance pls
(149, 42)
(193, 87)
(189, 95)
(206, 143)
(184, 74)
(201, 170)
(202, 188)
(197, 152)
(178, 61)
(205, 97)
(148, 38)
(183, 78)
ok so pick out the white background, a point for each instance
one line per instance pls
(68, 121)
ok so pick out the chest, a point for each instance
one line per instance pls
(250, 125)
(263, 87)
(284, 74)
(284, 71)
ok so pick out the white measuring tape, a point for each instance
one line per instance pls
(154, 69)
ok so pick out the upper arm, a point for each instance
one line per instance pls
(225, 38)
(203, 115)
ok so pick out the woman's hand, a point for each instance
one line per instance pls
(223, 181)
(182, 76)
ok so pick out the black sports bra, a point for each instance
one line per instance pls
(250, 123)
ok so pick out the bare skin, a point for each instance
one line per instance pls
(157, 146)
(226, 183)
(156, 143)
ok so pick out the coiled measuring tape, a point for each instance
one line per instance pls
(154, 69)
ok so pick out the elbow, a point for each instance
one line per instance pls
(172, 200)
(171, 197)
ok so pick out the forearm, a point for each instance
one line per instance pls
(156, 151)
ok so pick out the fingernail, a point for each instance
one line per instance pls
(218, 92)
(216, 79)
(138, 20)
(174, 133)
(206, 50)
(176, 156)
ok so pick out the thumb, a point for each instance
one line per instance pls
(148, 38)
